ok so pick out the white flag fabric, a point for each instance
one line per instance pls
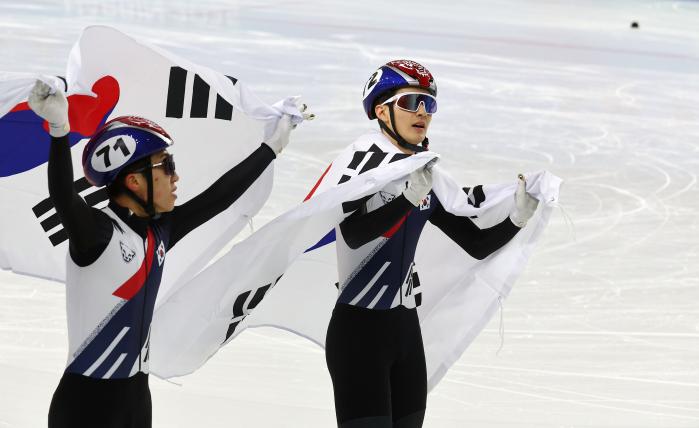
(215, 122)
(284, 274)
(15, 88)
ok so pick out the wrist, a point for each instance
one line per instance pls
(270, 148)
(517, 220)
(59, 130)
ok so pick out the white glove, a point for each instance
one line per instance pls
(51, 106)
(525, 204)
(280, 137)
(420, 183)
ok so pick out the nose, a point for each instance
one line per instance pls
(421, 110)
(175, 177)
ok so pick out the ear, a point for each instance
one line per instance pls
(381, 111)
(133, 182)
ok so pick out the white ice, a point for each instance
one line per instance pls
(602, 330)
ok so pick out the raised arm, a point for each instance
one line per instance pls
(227, 189)
(220, 195)
(78, 219)
(88, 230)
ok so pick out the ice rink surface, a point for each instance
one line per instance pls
(602, 330)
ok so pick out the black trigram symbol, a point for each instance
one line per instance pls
(476, 196)
(243, 305)
(374, 156)
(52, 221)
(200, 97)
(418, 294)
(368, 160)
(413, 282)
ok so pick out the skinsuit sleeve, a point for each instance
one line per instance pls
(220, 195)
(361, 226)
(478, 243)
(89, 230)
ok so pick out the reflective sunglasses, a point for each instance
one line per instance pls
(167, 164)
(410, 101)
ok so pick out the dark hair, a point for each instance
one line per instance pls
(383, 97)
(117, 187)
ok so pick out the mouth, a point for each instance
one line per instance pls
(419, 125)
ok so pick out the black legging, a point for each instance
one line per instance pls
(84, 402)
(377, 364)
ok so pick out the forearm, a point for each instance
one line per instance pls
(362, 227)
(478, 243)
(75, 215)
(221, 194)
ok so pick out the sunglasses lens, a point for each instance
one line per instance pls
(169, 165)
(411, 102)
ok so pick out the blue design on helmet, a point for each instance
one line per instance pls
(119, 143)
(395, 75)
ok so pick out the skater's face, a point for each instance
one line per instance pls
(412, 126)
(164, 183)
(164, 186)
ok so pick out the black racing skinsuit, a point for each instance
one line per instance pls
(82, 401)
(375, 354)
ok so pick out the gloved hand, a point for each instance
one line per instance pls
(51, 106)
(525, 204)
(280, 137)
(420, 183)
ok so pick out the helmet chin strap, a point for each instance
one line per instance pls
(399, 139)
(147, 205)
